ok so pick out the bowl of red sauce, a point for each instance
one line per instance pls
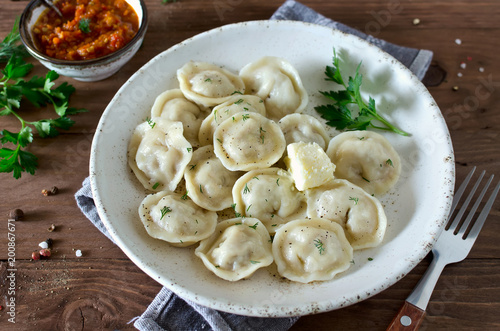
(92, 39)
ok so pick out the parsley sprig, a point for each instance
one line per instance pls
(40, 91)
(11, 45)
(339, 115)
(84, 25)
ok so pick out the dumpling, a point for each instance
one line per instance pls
(360, 214)
(276, 82)
(366, 159)
(158, 153)
(167, 216)
(303, 128)
(208, 84)
(236, 249)
(235, 104)
(269, 195)
(248, 141)
(209, 184)
(307, 250)
(173, 106)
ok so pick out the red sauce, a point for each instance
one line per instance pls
(89, 29)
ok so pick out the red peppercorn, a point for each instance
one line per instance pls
(45, 252)
(35, 255)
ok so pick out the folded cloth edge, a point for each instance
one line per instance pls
(416, 60)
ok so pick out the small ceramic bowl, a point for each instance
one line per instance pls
(84, 70)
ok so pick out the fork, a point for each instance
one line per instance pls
(453, 245)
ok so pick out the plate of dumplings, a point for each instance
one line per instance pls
(214, 173)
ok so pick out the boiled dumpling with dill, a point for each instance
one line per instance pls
(158, 153)
(269, 195)
(172, 105)
(176, 220)
(208, 84)
(276, 82)
(248, 141)
(209, 184)
(237, 248)
(367, 159)
(304, 128)
(361, 215)
(307, 250)
(235, 104)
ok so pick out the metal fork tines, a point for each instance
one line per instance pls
(453, 245)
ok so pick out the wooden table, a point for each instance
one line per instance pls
(104, 290)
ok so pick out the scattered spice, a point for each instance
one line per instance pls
(51, 228)
(416, 21)
(78, 253)
(45, 252)
(459, 74)
(481, 69)
(43, 245)
(35, 255)
(455, 88)
(458, 41)
(463, 65)
(54, 190)
(16, 214)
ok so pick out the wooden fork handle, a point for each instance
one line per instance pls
(408, 318)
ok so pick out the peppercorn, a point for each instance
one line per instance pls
(49, 242)
(45, 252)
(16, 214)
(35, 255)
(54, 190)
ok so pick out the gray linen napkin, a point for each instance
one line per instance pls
(417, 60)
(170, 312)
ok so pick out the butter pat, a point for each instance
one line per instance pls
(309, 165)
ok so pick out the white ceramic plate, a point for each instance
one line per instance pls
(416, 207)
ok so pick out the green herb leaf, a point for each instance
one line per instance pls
(11, 45)
(17, 161)
(338, 114)
(84, 25)
(16, 68)
(164, 211)
(40, 91)
(319, 245)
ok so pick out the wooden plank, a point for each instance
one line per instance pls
(67, 294)
(467, 295)
(93, 294)
(470, 285)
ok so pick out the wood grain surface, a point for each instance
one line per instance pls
(104, 290)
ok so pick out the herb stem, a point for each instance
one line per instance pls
(389, 126)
